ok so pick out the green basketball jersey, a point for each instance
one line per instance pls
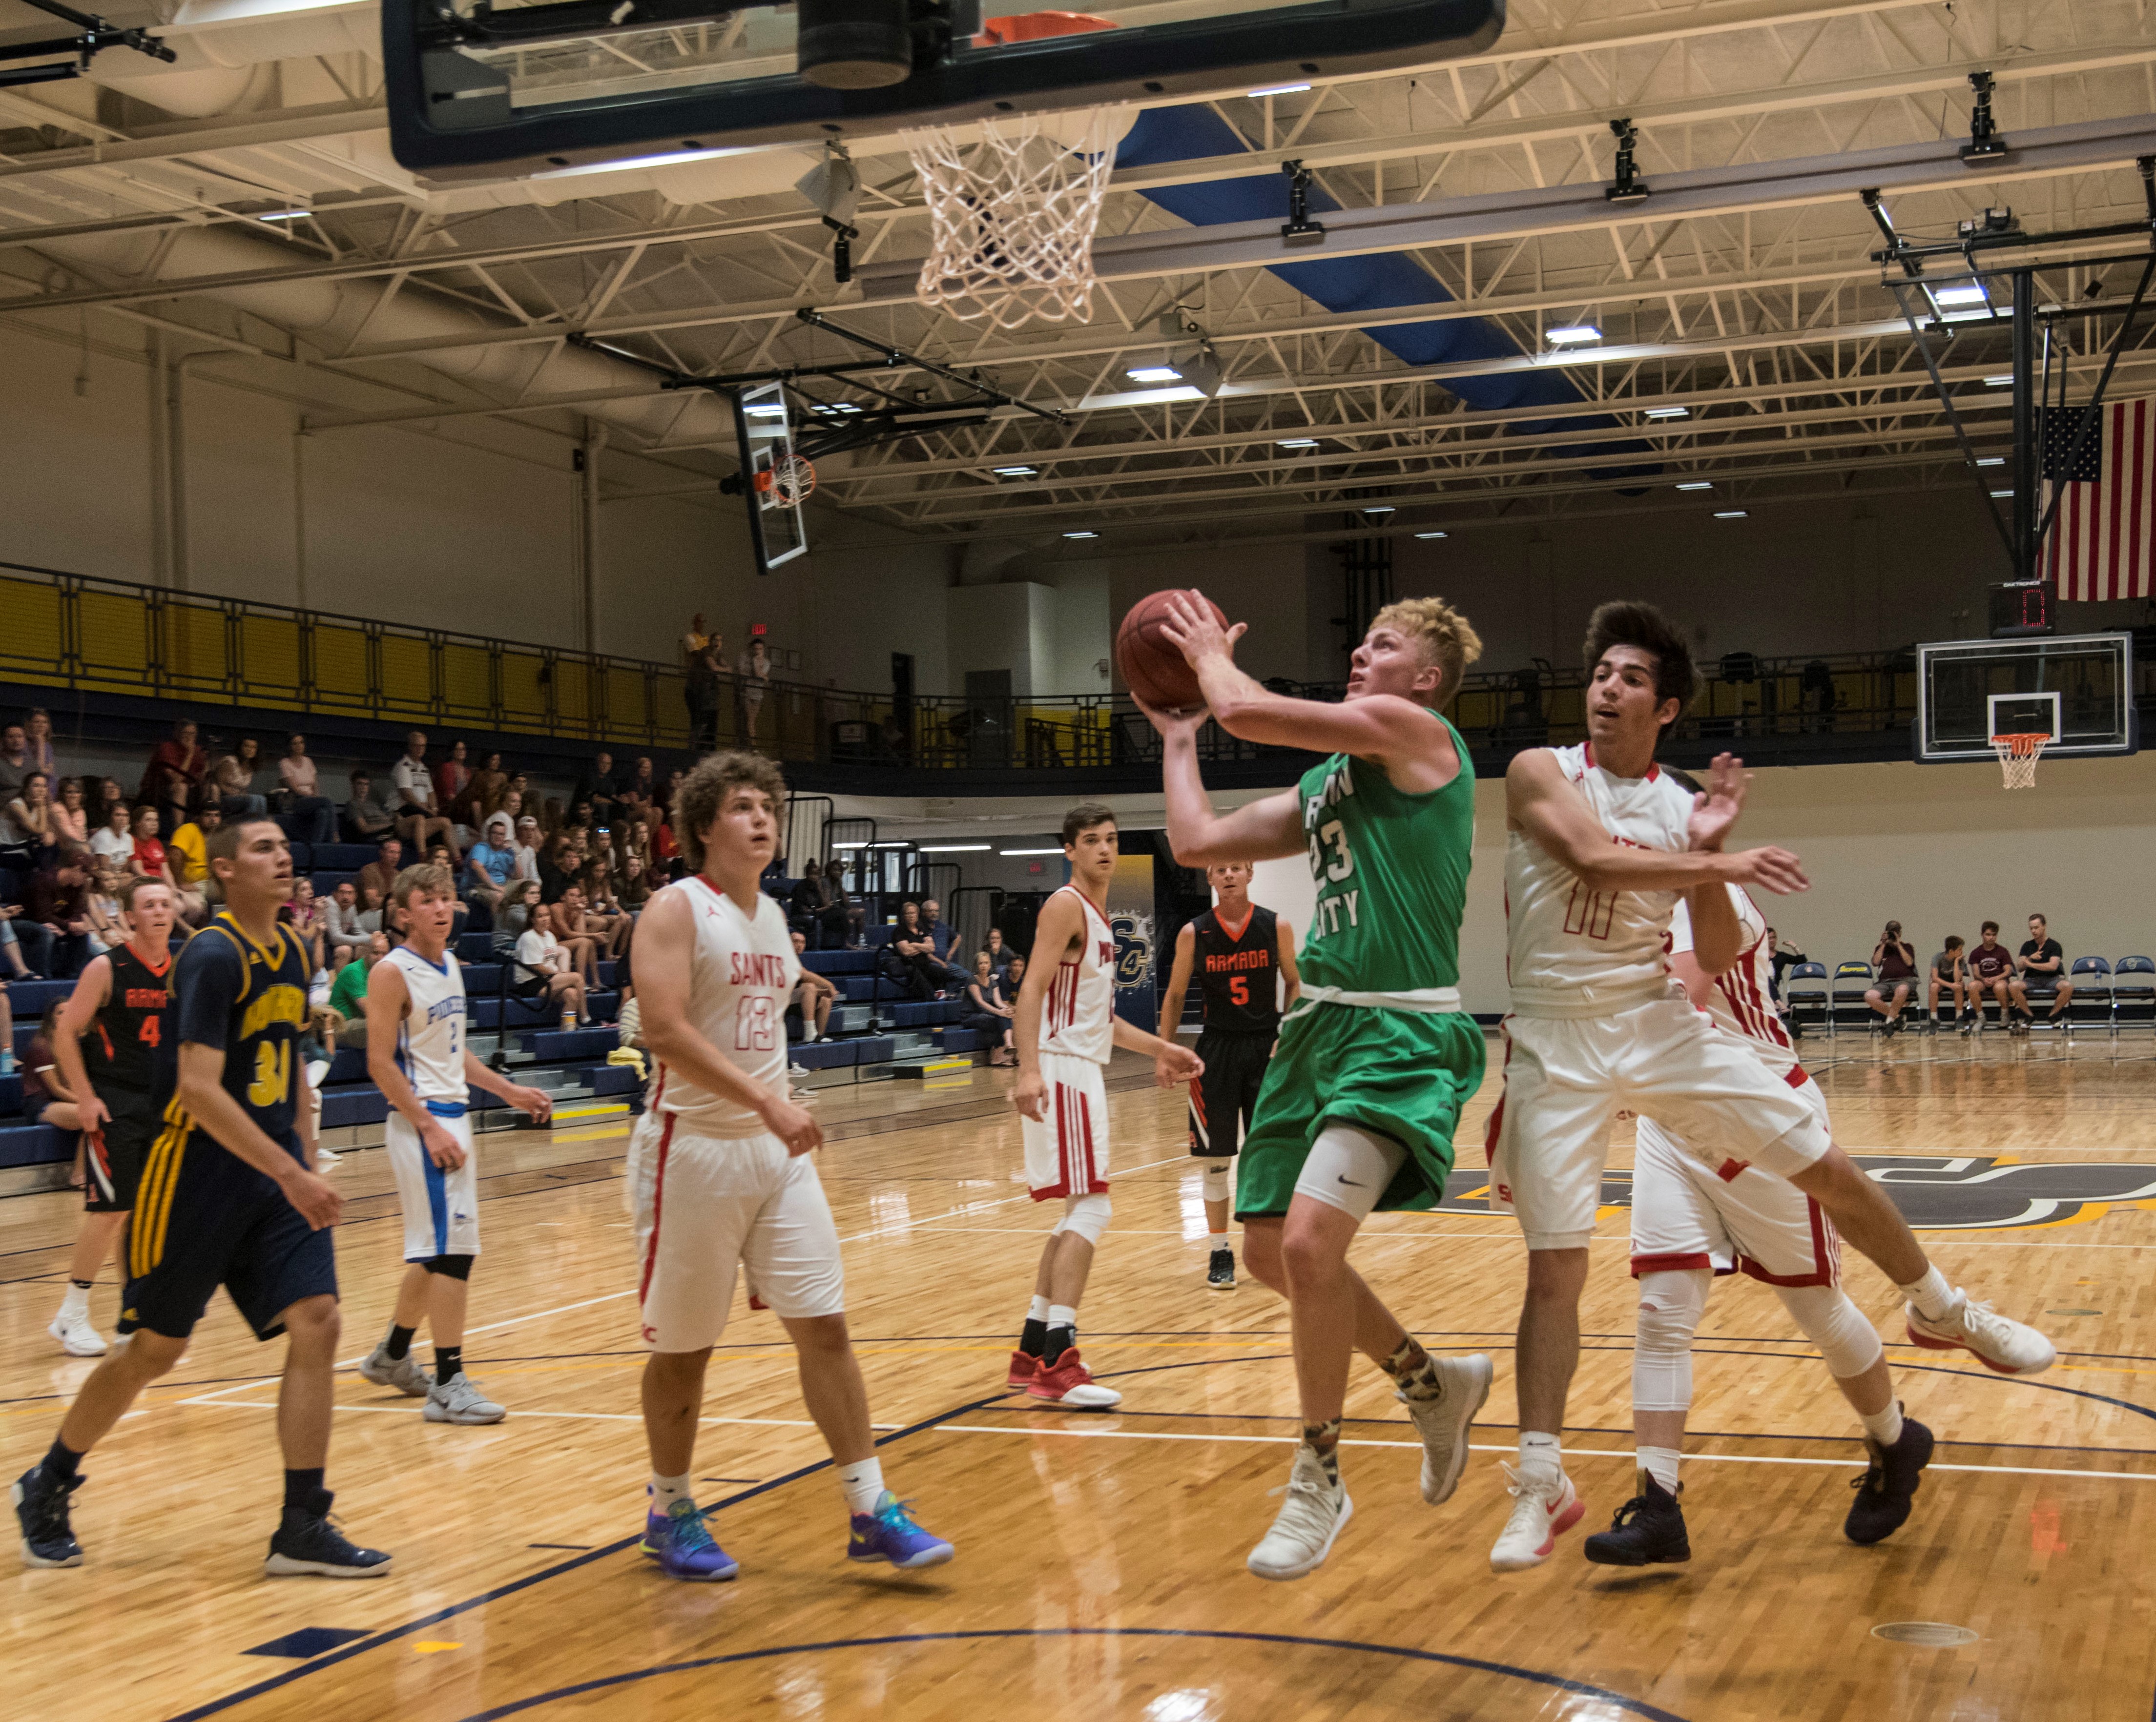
(1391, 869)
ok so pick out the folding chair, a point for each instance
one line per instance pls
(1846, 1002)
(1805, 996)
(2132, 994)
(2091, 1004)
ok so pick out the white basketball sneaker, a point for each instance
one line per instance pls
(77, 1333)
(405, 1374)
(1999, 1342)
(1538, 1520)
(458, 1401)
(1311, 1521)
(1443, 1421)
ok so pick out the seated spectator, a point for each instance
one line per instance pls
(666, 849)
(1949, 974)
(308, 921)
(106, 928)
(491, 862)
(577, 934)
(309, 816)
(2043, 974)
(543, 970)
(115, 840)
(596, 789)
(559, 863)
(513, 915)
(635, 889)
(371, 917)
(71, 818)
(907, 960)
(13, 959)
(483, 794)
(341, 925)
(419, 816)
(1991, 975)
(942, 936)
(986, 1015)
(603, 913)
(809, 1009)
(347, 1005)
(528, 841)
(998, 954)
(188, 852)
(1894, 967)
(149, 858)
(452, 778)
(232, 782)
(816, 909)
(46, 1097)
(26, 824)
(640, 789)
(172, 782)
(57, 903)
(365, 819)
(15, 761)
(100, 804)
(379, 875)
(38, 742)
(1782, 956)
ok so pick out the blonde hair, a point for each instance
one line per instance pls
(429, 877)
(1448, 639)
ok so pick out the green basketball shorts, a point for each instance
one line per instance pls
(1404, 1074)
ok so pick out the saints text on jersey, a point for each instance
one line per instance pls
(1331, 861)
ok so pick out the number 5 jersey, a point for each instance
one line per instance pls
(740, 974)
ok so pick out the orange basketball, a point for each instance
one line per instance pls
(1154, 667)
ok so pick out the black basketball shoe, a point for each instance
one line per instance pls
(1647, 1530)
(41, 1510)
(310, 1543)
(1886, 1492)
(1220, 1274)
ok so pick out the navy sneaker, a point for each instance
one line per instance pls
(1648, 1530)
(41, 1508)
(683, 1545)
(890, 1534)
(309, 1545)
(1885, 1492)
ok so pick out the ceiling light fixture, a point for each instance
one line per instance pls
(1379, 508)
(1279, 89)
(1016, 472)
(1731, 514)
(1571, 335)
(1296, 442)
(1081, 535)
(953, 848)
(1433, 535)
(1697, 484)
(1669, 412)
(2006, 381)
(1963, 293)
(1153, 373)
(1029, 852)
(1993, 460)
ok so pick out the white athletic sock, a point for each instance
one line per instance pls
(1884, 1427)
(1037, 1310)
(1217, 1240)
(76, 1302)
(1063, 1315)
(863, 1483)
(667, 1490)
(1541, 1457)
(1660, 1464)
(1934, 1298)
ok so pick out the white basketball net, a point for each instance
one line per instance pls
(1014, 215)
(2017, 758)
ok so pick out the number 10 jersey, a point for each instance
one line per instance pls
(742, 972)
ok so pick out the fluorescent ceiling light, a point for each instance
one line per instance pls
(1029, 851)
(850, 846)
(951, 849)
(895, 843)
(1379, 508)
(1731, 514)
(1153, 373)
(1433, 535)
(2006, 381)
(2002, 493)
(1965, 293)
(1993, 460)
(1296, 442)
(1081, 535)
(1669, 412)
(284, 214)
(1016, 472)
(1697, 484)
(1982, 314)
(1280, 89)
(1571, 335)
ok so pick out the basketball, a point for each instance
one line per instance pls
(1152, 666)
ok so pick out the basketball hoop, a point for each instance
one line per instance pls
(787, 483)
(2018, 756)
(1012, 215)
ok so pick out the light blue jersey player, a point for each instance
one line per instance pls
(417, 1054)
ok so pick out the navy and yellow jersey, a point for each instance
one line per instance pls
(250, 1002)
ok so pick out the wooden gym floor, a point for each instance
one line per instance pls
(1100, 1571)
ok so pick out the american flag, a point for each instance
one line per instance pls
(2101, 538)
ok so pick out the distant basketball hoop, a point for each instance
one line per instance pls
(2018, 756)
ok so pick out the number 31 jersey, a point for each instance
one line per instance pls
(1572, 952)
(742, 972)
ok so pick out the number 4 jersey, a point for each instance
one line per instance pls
(1574, 952)
(742, 972)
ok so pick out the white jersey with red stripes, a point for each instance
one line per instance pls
(1740, 1001)
(1572, 952)
(1079, 1018)
(742, 972)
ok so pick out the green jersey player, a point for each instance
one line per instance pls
(1375, 1060)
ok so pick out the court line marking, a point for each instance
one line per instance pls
(597, 1416)
(1636, 1706)
(1578, 1452)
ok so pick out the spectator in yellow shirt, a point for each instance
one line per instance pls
(187, 848)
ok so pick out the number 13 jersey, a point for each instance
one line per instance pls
(1572, 952)
(742, 972)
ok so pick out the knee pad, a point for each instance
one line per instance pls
(1348, 1167)
(451, 1266)
(1086, 1215)
(1844, 1334)
(1214, 1180)
(1671, 1301)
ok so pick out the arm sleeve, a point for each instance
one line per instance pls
(209, 980)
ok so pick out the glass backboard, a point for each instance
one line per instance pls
(2076, 688)
(477, 90)
(774, 478)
